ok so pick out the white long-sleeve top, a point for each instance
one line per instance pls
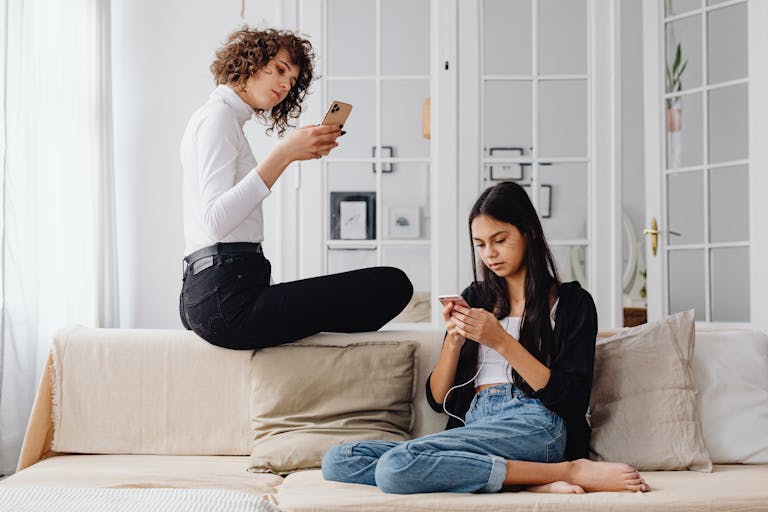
(222, 191)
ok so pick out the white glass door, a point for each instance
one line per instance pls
(371, 198)
(699, 169)
(536, 97)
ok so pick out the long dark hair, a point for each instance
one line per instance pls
(508, 202)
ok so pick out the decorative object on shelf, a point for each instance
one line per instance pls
(404, 222)
(506, 170)
(426, 119)
(545, 200)
(386, 152)
(674, 84)
(353, 215)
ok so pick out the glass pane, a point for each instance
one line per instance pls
(715, 2)
(684, 131)
(342, 260)
(405, 201)
(571, 262)
(351, 20)
(728, 124)
(727, 43)
(729, 204)
(730, 284)
(685, 34)
(402, 101)
(415, 262)
(512, 171)
(563, 201)
(563, 121)
(687, 281)
(685, 204)
(352, 201)
(507, 114)
(360, 127)
(679, 6)
(507, 24)
(562, 37)
(404, 39)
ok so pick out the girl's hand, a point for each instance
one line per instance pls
(309, 142)
(453, 337)
(479, 325)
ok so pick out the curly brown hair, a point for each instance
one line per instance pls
(247, 51)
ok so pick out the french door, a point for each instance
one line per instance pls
(705, 169)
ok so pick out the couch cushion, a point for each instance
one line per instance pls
(148, 391)
(307, 398)
(730, 368)
(644, 409)
(185, 472)
(727, 488)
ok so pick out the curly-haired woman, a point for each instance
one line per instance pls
(226, 296)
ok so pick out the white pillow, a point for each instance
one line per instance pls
(730, 369)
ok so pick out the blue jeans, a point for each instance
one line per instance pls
(502, 424)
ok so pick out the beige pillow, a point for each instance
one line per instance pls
(306, 399)
(643, 407)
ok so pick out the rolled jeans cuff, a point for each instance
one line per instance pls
(498, 474)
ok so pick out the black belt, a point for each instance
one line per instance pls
(203, 258)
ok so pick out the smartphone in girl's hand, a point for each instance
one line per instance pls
(457, 300)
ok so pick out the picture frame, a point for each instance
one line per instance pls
(508, 170)
(404, 222)
(545, 200)
(353, 215)
(386, 152)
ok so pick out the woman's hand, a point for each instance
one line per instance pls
(453, 337)
(309, 142)
(479, 325)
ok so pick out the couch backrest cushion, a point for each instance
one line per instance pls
(643, 405)
(129, 391)
(730, 368)
(331, 388)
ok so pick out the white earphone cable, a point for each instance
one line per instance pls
(479, 368)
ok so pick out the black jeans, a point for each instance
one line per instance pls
(231, 303)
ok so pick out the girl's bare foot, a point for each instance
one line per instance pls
(606, 476)
(557, 488)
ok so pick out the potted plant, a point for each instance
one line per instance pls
(674, 79)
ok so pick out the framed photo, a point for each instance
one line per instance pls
(386, 152)
(404, 222)
(545, 200)
(353, 215)
(507, 170)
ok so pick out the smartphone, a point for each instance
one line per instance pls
(456, 299)
(338, 112)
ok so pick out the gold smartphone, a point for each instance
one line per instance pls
(338, 112)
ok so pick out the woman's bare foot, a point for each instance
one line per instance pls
(606, 476)
(557, 488)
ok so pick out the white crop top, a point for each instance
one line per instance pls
(495, 370)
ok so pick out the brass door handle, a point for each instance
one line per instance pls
(654, 232)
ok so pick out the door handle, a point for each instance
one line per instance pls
(654, 232)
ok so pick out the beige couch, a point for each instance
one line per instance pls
(162, 408)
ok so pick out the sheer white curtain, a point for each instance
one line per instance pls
(58, 247)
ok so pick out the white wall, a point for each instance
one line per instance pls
(161, 53)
